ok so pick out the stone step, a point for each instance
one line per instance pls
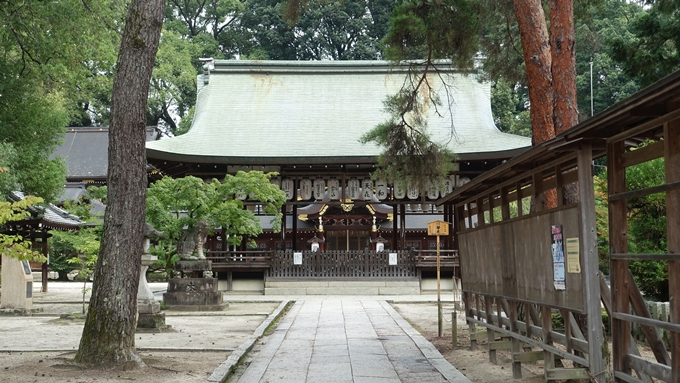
(342, 287)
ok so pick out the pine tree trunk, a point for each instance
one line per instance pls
(108, 335)
(535, 44)
(565, 112)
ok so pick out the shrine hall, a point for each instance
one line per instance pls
(303, 120)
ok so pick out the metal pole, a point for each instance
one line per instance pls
(454, 328)
(592, 111)
(439, 298)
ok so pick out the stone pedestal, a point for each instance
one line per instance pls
(193, 292)
(150, 316)
(17, 285)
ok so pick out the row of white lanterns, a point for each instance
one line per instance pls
(364, 189)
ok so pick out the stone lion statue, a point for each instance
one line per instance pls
(191, 241)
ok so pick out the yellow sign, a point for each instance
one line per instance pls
(438, 228)
(573, 261)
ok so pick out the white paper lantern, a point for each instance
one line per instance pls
(381, 189)
(367, 189)
(353, 191)
(305, 189)
(319, 188)
(334, 189)
(399, 191)
(288, 187)
(412, 192)
(447, 186)
(432, 191)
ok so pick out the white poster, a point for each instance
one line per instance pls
(393, 259)
(297, 258)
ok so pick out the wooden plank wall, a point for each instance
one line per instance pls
(513, 259)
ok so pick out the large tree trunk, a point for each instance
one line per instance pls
(535, 44)
(565, 112)
(108, 336)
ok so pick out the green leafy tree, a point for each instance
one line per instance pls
(67, 246)
(646, 227)
(14, 245)
(178, 204)
(648, 48)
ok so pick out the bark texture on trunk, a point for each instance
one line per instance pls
(535, 44)
(565, 112)
(108, 336)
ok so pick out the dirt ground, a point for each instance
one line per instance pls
(196, 366)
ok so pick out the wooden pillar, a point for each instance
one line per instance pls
(283, 227)
(672, 165)
(395, 226)
(402, 227)
(589, 260)
(490, 334)
(546, 325)
(45, 266)
(294, 231)
(618, 243)
(515, 346)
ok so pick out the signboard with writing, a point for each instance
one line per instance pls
(297, 258)
(438, 228)
(573, 261)
(393, 259)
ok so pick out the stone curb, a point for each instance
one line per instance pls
(221, 373)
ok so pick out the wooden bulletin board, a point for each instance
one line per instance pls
(513, 259)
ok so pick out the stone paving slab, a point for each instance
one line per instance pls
(348, 340)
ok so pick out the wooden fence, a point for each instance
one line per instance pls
(342, 264)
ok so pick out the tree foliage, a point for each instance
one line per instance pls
(177, 204)
(646, 227)
(49, 54)
(648, 50)
(14, 245)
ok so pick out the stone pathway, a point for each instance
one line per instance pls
(335, 340)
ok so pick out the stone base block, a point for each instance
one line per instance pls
(148, 307)
(155, 321)
(192, 291)
(193, 265)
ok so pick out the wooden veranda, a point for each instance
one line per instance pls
(338, 265)
(523, 262)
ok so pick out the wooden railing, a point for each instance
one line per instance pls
(334, 263)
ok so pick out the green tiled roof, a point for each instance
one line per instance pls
(272, 112)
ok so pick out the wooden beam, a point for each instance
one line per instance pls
(646, 191)
(644, 127)
(672, 167)
(567, 374)
(650, 368)
(645, 257)
(643, 154)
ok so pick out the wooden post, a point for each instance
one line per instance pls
(672, 165)
(515, 345)
(439, 295)
(490, 334)
(454, 328)
(590, 270)
(546, 325)
(618, 243)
